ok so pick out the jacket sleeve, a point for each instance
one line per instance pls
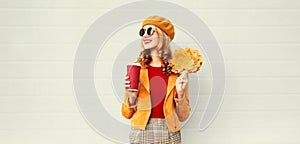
(127, 110)
(183, 105)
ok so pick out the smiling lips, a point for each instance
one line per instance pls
(147, 41)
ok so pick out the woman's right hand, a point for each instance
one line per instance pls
(127, 82)
(132, 94)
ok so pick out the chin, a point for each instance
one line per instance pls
(149, 47)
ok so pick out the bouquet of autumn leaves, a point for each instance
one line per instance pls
(186, 60)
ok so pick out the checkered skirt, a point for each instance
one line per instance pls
(156, 132)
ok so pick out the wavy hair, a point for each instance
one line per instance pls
(164, 52)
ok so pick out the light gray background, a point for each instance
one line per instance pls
(260, 44)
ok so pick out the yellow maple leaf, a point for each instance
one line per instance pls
(186, 59)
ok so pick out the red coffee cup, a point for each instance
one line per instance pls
(133, 72)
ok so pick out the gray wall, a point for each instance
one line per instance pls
(259, 40)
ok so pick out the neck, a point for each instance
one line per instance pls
(156, 60)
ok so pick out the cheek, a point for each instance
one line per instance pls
(155, 41)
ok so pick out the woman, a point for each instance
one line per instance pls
(162, 101)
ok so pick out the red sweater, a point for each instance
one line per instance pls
(158, 88)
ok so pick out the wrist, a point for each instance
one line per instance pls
(180, 94)
(132, 99)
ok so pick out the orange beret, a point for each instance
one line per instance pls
(164, 24)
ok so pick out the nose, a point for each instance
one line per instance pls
(146, 35)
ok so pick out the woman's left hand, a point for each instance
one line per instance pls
(181, 83)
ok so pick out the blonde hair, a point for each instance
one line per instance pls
(164, 52)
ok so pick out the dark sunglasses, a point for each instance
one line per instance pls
(149, 31)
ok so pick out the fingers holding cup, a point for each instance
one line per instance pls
(127, 82)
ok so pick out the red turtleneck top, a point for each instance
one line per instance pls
(158, 88)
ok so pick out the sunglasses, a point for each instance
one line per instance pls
(149, 31)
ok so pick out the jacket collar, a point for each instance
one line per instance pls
(144, 79)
